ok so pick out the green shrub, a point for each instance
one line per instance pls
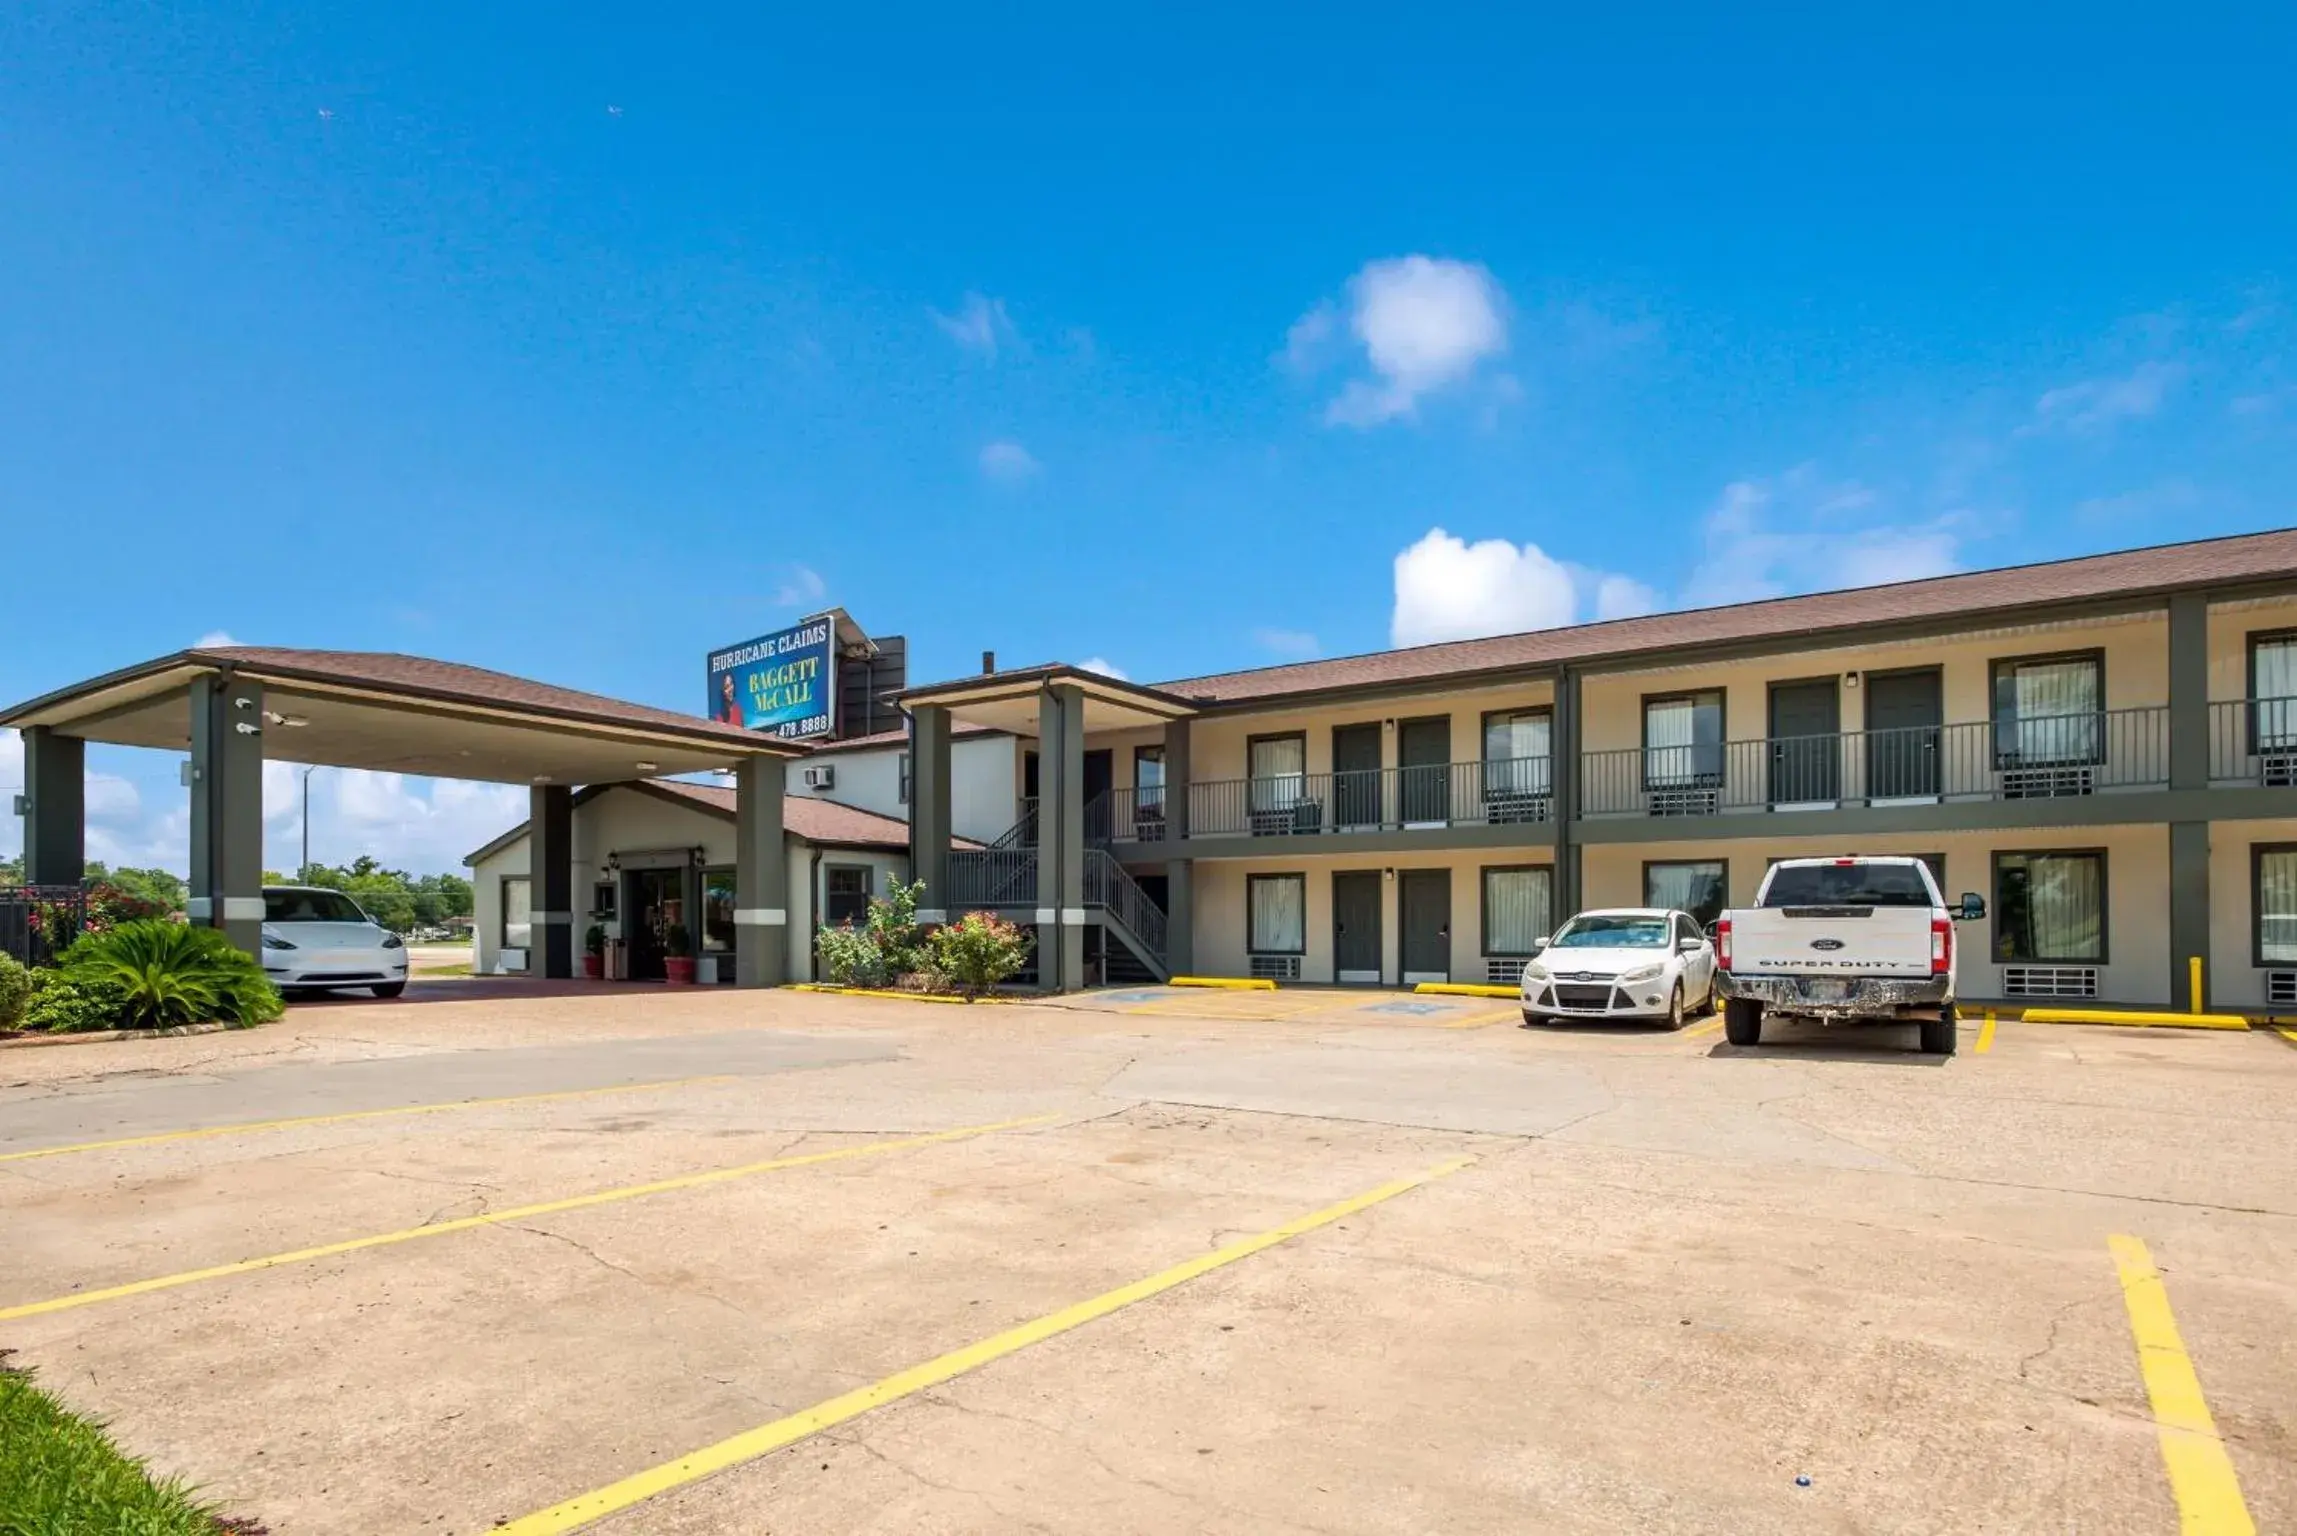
(66, 1005)
(884, 949)
(172, 973)
(979, 951)
(15, 992)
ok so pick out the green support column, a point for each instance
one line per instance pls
(761, 875)
(1061, 838)
(550, 865)
(55, 807)
(2189, 769)
(1179, 871)
(1563, 796)
(227, 809)
(929, 810)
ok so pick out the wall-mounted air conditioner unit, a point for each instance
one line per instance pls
(2281, 989)
(821, 776)
(2277, 767)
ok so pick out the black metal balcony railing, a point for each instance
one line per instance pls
(1368, 800)
(2022, 759)
(2253, 742)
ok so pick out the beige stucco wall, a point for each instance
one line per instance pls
(1220, 913)
(1217, 743)
(984, 783)
(2137, 674)
(2230, 626)
(2137, 968)
(2235, 980)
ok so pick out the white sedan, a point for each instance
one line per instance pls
(314, 938)
(1623, 963)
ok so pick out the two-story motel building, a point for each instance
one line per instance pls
(2104, 748)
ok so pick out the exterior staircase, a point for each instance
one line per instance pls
(1004, 878)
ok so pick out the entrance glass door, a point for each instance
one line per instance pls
(657, 904)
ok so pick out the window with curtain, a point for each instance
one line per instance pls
(2275, 902)
(2049, 709)
(717, 911)
(517, 912)
(1279, 770)
(1517, 909)
(1700, 887)
(1683, 739)
(2050, 908)
(1516, 752)
(2273, 685)
(1276, 914)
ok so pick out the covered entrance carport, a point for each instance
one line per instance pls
(230, 707)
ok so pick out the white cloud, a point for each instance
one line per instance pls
(1623, 597)
(1009, 462)
(1789, 534)
(801, 588)
(420, 825)
(2096, 405)
(1424, 323)
(214, 637)
(1105, 667)
(11, 785)
(1291, 644)
(1449, 589)
(109, 798)
(980, 325)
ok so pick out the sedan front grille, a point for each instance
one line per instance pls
(1583, 997)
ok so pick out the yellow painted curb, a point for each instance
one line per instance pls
(2135, 1020)
(906, 997)
(1467, 989)
(1229, 983)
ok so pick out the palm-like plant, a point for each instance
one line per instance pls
(171, 973)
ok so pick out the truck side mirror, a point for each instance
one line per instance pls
(1973, 907)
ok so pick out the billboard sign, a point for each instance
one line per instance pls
(784, 684)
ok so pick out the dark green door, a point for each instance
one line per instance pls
(1356, 926)
(1805, 747)
(1424, 766)
(1904, 711)
(1424, 897)
(1356, 775)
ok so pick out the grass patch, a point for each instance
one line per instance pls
(464, 969)
(60, 1475)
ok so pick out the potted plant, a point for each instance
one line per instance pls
(677, 956)
(594, 951)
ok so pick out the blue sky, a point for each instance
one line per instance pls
(548, 339)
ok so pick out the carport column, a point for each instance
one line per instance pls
(1563, 794)
(227, 809)
(550, 851)
(1179, 873)
(929, 809)
(55, 803)
(1061, 838)
(2188, 770)
(761, 875)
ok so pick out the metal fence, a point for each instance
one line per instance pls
(1108, 886)
(990, 877)
(38, 921)
(2253, 742)
(1374, 799)
(2014, 759)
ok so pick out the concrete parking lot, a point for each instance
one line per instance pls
(1159, 1261)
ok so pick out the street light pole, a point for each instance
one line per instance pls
(309, 769)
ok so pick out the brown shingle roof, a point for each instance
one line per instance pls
(454, 682)
(2227, 561)
(817, 821)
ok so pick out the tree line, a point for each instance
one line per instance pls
(392, 897)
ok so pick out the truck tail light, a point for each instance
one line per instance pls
(1941, 946)
(1723, 942)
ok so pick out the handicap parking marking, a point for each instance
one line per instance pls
(1128, 999)
(1411, 1006)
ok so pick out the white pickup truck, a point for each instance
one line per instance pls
(1843, 939)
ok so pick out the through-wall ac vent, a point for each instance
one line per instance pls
(2078, 981)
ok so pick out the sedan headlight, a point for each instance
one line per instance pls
(1535, 972)
(1640, 973)
(272, 943)
(393, 941)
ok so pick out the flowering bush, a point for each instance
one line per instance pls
(884, 949)
(980, 950)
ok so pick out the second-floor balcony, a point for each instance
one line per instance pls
(2016, 758)
(1485, 793)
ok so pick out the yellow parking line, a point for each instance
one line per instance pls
(491, 1218)
(243, 1127)
(1479, 1020)
(1696, 1030)
(1986, 1033)
(2200, 1472)
(766, 1438)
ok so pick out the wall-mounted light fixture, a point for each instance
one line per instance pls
(1387, 874)
(1850, 679)
(644, 766)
